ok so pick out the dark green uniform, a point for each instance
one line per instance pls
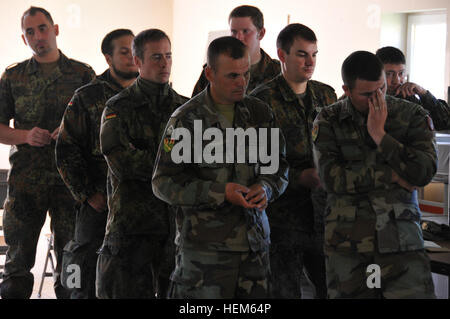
(439, 110)
(370, 219)
(297, 231)
(84, 169)
(222, 248)
(32, 99)
(135, 245)
(264, 71)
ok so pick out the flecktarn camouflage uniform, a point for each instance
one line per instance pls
(83, 168)
(34, 184)
(136, 257)
(296, 219)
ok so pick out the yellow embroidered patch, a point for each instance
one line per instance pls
(168, 144)
(315, 132)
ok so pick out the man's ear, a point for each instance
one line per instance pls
(56, 27)
(261, 34)
(24, 40)
(209, 73)
(108, 59)
(346, 90)
(281, 55)
(137, 61)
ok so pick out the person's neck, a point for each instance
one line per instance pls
(123, 82)
(255, 57)
(216, 98)
(297, 87)
(50, 57)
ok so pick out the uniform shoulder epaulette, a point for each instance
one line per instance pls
(82, 63)
(12, 66)
(321, 84)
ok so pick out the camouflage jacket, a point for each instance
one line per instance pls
(438, 109)
(131, 128)
(355, 172)
(78, 157)
(32, 100)
(266, 69)
(295, 120)
(207, 221)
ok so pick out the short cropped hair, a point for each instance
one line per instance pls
(248, 11)
(361, 65)
(32, 12)
(391, 55)
(230, 46)
(287, 36)
(107, 46)
(149, 35)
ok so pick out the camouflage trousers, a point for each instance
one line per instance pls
(130, 267)
(25, 212)
(292, 253)
(82, 252)
(220, 275)
(351, 247)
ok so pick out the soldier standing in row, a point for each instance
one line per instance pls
(35, 94)
(372, 151)
(247, 25)
(296, 224)
(81, 163)
(223, 234)
(136, 244)
(394, 62)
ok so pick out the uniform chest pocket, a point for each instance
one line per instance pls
(219, 172)
(142, 136)
(352, 150)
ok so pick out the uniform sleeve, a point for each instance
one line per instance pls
(72, 149)
(176, 183)
(338, 175)
(6, 100)
(275, 183)
(125, 160)
(414, 160)
(439, 111)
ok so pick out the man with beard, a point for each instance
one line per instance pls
(81, 163)
(394, 62)
(135, 246)
(35, 93)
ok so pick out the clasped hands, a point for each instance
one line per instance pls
(248, 197)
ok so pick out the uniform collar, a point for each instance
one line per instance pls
(64, 64)
(349, 111)
(110, 81)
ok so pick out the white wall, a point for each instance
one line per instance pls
(341, 27)
(82, 25)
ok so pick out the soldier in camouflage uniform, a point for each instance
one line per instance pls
(223, 233)
(372, 151)
(394, 66)
(35, 93)
(247, 25)
(137, 230)
(81, 163)
(296, 229)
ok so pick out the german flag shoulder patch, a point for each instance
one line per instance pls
(110, 116)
